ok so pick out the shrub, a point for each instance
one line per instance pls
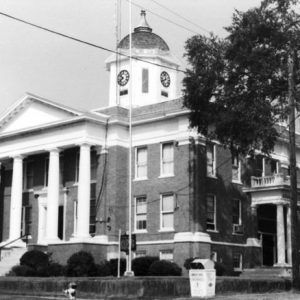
(164, 268)
(113, 263)
(103, 269)
(81, 264)
(21, 270)
(141, 265)
(35, 259)
(55, 269)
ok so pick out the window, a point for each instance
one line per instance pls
(167, 159)
(145, 80)
(141, 163)
(26, 220)
(236, 212)
(164, 94)
(123, 92)
(94, 165)
(211, 212)
(28, 178)
(140, 253)
(167, 212)
(141, 213)
(46, 171)
(211, 159)
(237, 259)
(236, 168)
(75, 216)
(166, 255)
(92, 229)
(77, 166)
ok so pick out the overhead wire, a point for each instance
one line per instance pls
(164, 18)
(180, 16)
(89, 43)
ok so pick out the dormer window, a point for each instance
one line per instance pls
(145, 80)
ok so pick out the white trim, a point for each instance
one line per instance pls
(203, 237)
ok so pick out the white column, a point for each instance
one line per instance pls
(280, 236)
(84, 190)
(16, 199)
(289, 237)
(53, 197)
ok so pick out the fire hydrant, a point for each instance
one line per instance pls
(70, 292)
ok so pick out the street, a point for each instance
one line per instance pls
(266, 296)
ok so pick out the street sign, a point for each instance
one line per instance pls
(125, 242)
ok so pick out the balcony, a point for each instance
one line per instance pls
(269, 181)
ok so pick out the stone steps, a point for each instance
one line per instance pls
(9, 258)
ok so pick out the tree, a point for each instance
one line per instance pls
(240, 84)
(241, 89)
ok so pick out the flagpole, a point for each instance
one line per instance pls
(129, 271)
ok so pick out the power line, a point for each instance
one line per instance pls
(180, 16)
(88, 43)
(164, 18)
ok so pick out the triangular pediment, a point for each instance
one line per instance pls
(33, 112)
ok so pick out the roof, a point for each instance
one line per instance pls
(143, 37)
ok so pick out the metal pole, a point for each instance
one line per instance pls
(293, 168)
(119, 254)
(129, 271)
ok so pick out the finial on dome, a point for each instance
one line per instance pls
(143, 25)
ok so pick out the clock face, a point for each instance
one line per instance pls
(123, 77)
(165, 79)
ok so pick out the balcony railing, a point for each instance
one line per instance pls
(273, 180)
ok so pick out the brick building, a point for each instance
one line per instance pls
(64, 175)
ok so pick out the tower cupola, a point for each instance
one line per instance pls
(153, 71)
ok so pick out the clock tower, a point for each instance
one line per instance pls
(153, 73)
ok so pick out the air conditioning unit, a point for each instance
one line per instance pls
(237, 228)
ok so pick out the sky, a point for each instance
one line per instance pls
(74, 74)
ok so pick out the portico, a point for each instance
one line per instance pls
(47, 145)
(271, 203)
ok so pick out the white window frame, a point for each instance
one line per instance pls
(168, 212)
(240, 267)
(166, 252)
(215, 213)
(162, 162)
(137, 164)
(236, 167)
(240, 212)
(136, 214)
(212, 173)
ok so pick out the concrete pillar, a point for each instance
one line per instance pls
(289, 237)
(53, 197)
(84, 191)
(280, 236)
(16, 199)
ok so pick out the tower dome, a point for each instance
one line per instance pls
(143, 38)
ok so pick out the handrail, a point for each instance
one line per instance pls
(10, 242)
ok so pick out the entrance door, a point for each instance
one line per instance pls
(268, 249)
(266, 215)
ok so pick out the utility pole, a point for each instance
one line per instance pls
(293, 167)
